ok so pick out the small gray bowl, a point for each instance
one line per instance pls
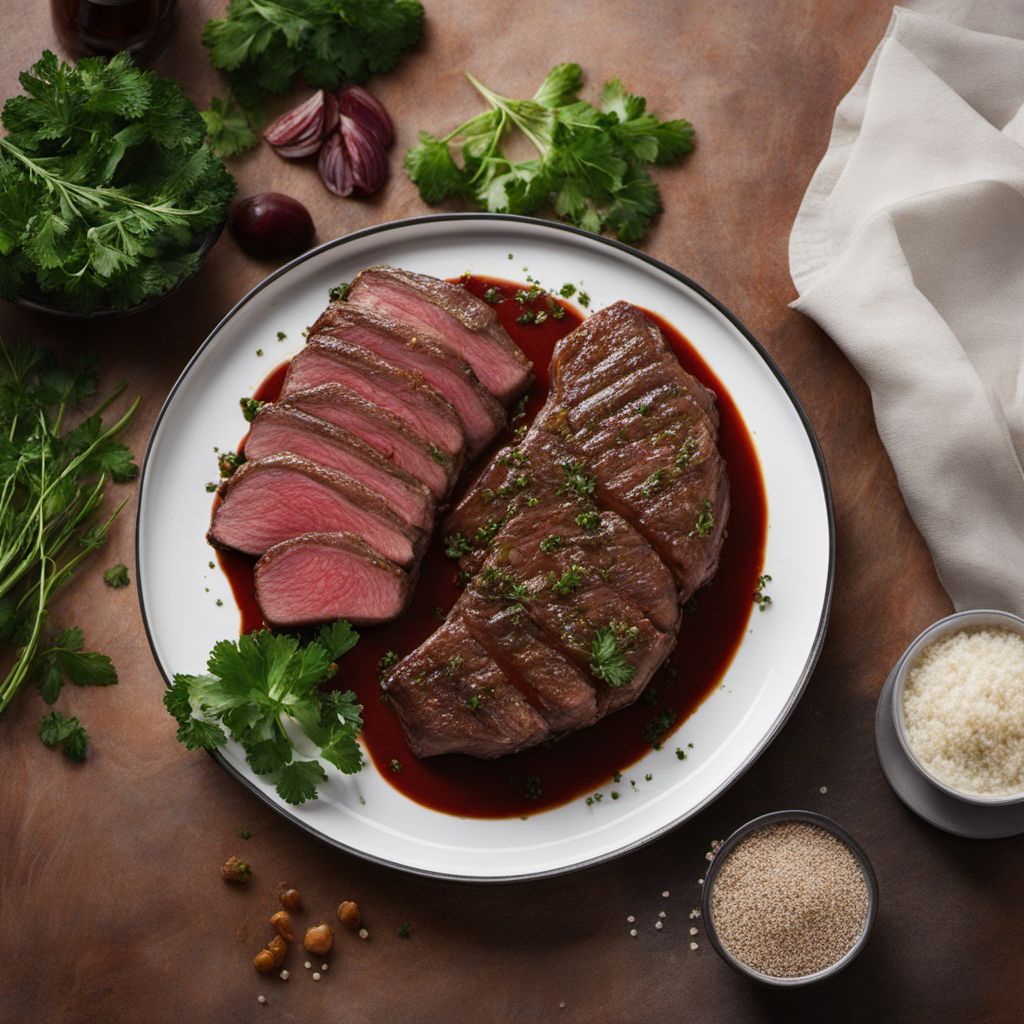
(779, 818)
(979, 618)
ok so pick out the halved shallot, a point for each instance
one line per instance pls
(299, 132)
(368, 111)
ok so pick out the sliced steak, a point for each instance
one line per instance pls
(627, 424)
(465, 324)
(280, 428)
(419, 351)
(270, 500)
(452, 697)
(386, 433)
(404, 394)
(319, 577)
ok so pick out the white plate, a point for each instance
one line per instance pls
(364, 814)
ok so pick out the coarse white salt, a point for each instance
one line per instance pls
(963, 707)
(630, 919)
(659, 925)
(632, 933)
(693, 945)
(693, 931)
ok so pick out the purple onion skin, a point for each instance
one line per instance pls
(368, 111)
(271, 225)
(335, 170)
(366, 156)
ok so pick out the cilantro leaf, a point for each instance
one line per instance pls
(590, 166)
(297, 781)
(607, 660)
(65, 659)
(69, 734)
(116, 576)
(229, 127)
(253, 685)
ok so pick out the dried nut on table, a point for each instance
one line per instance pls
(289, 897)
(349, 916)
(235, 870)
(263, 961)
(279, 948)
(319, 939)
(282, 922)
(272, 957)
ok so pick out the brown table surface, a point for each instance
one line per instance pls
(111, 903)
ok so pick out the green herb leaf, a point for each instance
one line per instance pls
(229, 127)
(116, 576)
(56, 730)
(607, 659)
(297, 781)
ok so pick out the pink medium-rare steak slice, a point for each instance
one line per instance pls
(319, 577)
(404, 394)
(419, 351)
(452, 697)
(279, 428)
(567, 621)
(380, 430)
(625, 423)
(464, 323)
(270, 500)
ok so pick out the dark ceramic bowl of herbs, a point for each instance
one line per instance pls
(789, 899)
(110, 196)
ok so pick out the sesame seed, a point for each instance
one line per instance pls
(693, 945)
(630, 919)
(261, 1000)
(632, 932)
(316, 975)
(659, 925)
(285, 975)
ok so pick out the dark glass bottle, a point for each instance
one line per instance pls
(88, 28)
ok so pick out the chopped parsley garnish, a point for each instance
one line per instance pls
(567, 291)
(576, 480)
(487, 532)
(642, 408)
(513, 457)
(557, 311)
(503, 584)
(607, 660)
(552, 542)
(761, 599)
(250, 406)
(584, 300)
(404, 930)
(474, 702)
(686, 453)
(615, 794)
(569, 582)
(658, 726)
(653, 482)
(531, 787)
(453, 664)
(228, 462)
(680, 753)
(589, 520)
(456, 545)
(524, 296)
(705, 522)
(493, 296)
(281, 335)
(437, 455)
(395, 765)
(57, 730)
(117, 576)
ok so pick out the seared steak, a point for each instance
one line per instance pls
(625, 423)
(405, 394)
(419, 351)
(270, 500)
(452, 697)
(545, 602)
(386, 433)
(465, 324)
(280, 428)
(317, 577)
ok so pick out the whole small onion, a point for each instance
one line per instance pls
(271, 225)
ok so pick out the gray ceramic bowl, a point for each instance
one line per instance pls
(979, 618)
(778, 818)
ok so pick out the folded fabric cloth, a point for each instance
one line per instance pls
(908, 250)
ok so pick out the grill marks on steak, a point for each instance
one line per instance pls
(404, 394)
(318, 577)
(465, 324)
(386, 433)
(538, 629)
(420, 351)
(637, 429)
(270, 500)
(281, 428)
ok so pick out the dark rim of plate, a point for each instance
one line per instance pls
(755, 825)
(664, 268)
(37, 299)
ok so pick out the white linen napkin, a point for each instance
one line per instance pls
(908, 249)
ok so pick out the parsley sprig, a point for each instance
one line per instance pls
(106, 186)
(590, 164)
(253, 685)
(608, 659)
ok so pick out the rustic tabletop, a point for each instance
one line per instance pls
(111, 903)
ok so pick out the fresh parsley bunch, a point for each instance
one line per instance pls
(256, 682)
(107, 186)
(54, 478)
(591, 162)
(264, 45)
